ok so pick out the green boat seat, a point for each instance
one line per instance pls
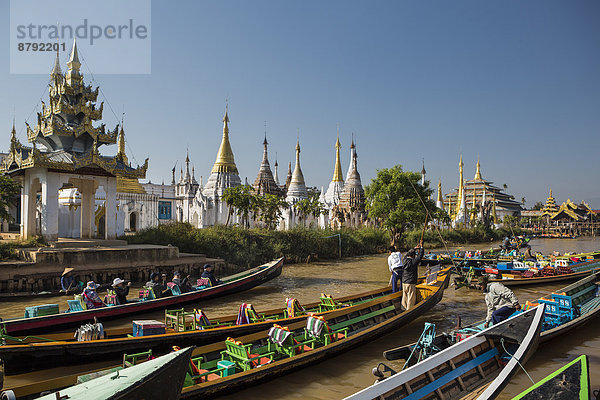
(328, 303)
(241, 355)
(283, 341)
(317, 328)
(129, 360)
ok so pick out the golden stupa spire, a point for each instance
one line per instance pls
(121, 145)
(225, 161)
(460, 185)
(478, 170)
(337, 170)
(73, 65)
(439, 194)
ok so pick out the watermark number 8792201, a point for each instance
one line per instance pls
(28, 46)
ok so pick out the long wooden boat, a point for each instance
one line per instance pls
(255, 358)
(478, 367)
(160, 378)
(23, 354)
(566, 309)
(579, 272)
(572, 381)
(231, 284)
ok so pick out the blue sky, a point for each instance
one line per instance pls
(515, 83)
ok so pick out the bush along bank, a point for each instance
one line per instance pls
(251, 247)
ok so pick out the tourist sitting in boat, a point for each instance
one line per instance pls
(208, 274)
(68, 281)
(90, 296)
(183, 284)
(395, 264)
(501, 301)
(412, 259)
(159, 288)
(121, 290)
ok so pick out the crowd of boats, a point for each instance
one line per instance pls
(191, 355)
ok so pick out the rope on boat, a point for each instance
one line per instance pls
(436, 227)
(515, 358)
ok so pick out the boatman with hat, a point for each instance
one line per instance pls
(68, 282)
(501, 301)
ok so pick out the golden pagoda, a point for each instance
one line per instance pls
(224, 172)
(225, 161)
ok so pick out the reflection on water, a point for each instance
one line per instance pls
(349, 372)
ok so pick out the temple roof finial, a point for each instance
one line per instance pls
(73, 62)
(337, 170)
(423, 172)
(478, 170)
(56, 69)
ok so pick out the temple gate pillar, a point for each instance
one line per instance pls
(50, 186)
(87, 189)
(110, 206)
(28, 205)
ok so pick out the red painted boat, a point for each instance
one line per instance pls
(231, 284)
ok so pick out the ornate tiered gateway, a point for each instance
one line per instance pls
(64, 153)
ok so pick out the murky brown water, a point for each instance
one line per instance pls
(347, 373)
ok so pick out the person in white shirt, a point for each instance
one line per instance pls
(395, 264)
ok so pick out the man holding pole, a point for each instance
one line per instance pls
(412, 259)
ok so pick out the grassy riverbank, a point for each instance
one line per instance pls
(252, 247)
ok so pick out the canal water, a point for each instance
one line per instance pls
(349, 372)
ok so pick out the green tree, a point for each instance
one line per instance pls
(240, 199)
(395, 204)
(9, 191)
(270, 209)
(310, 206)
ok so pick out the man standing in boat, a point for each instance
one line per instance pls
(412, 259)
(501, 301)
(395, 264)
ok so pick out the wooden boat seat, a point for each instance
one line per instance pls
(319, 330)
(284, 342)
(328, 303)
(75, 305)
(452, 375)
(240, 354)
(293, 308)
(202, 283)
(129, 360)
(146, 294)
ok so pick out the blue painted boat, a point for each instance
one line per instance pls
(478, 367)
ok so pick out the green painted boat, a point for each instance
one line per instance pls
(570, 382)
(158, 378)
